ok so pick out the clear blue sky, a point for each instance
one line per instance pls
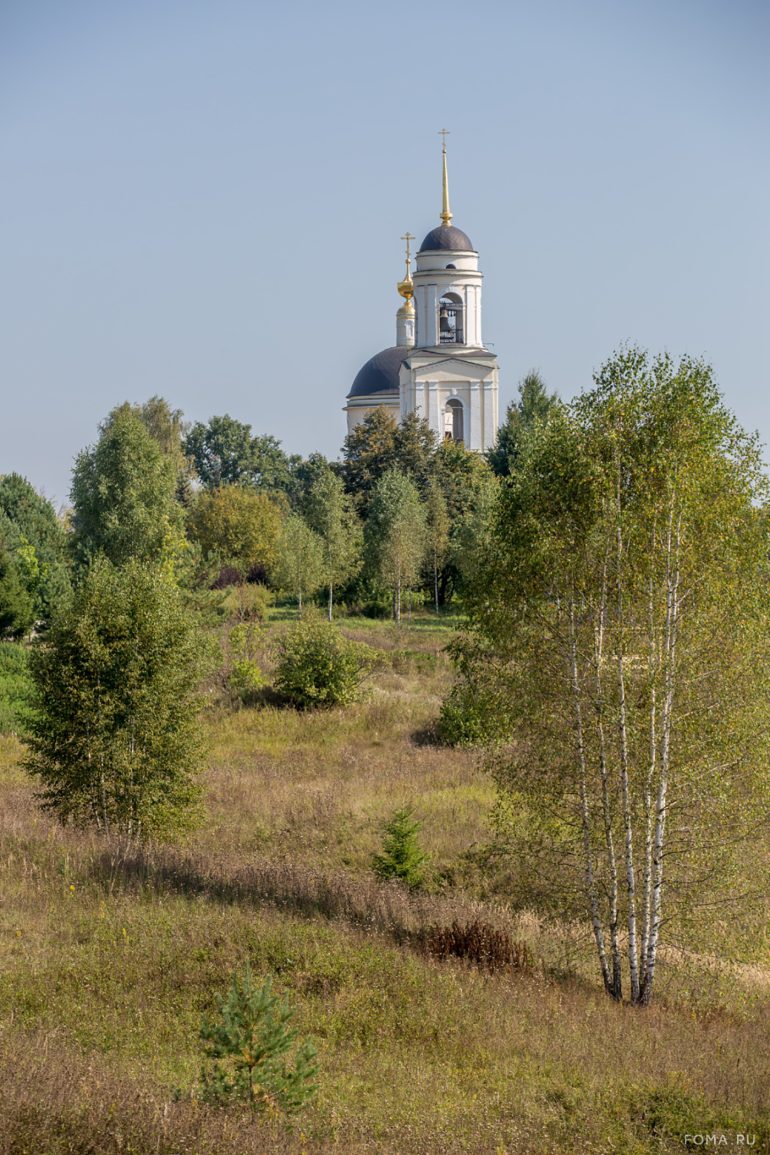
(205, 199)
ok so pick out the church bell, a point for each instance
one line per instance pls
(443, 320)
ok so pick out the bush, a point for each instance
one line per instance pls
(477, 711)
(401, 856)
(318, 666)
(245, 679)
(247, 1052)
(15, 688)
(478, 943)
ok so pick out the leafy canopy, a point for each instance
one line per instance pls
(115, 739)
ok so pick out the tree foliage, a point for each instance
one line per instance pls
(319, 666)
(331, 515)
(124, 495)
(401, 856)
(36, 540)
(625, 595)
(299, 565)
(17, 607)
(235, 526)
(225, 452)
(535, 404)
(396, 535)
(114, 741)
(253, 1054)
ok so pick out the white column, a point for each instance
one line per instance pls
(474, 435)
(433, 413)
(490, 416)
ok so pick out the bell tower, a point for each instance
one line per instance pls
(450, 378)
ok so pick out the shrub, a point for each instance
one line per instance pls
(477, 711)
(478, 943)
(247, 1052)
(401, 856)
(318, 666)
(245, 679)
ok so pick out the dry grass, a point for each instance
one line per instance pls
(109, 957)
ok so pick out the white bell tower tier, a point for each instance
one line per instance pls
(450, 378)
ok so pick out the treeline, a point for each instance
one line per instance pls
(218, 505)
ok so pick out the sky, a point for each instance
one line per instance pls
(204, 200)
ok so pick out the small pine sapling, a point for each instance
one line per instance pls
(246, 1052)
(401, 856)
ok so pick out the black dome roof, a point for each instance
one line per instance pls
(449, 238)
(380, 373)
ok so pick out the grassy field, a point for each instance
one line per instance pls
(110, 956)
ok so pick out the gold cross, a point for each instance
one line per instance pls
(407, 237)
(443, 133)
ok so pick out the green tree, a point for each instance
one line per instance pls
(625, 597)
(535, 404)
(252, 1052)
(469, 488)
(115, 741)
(35, 536)
(437, 521)
(124, 495)
(415, 449)
(236, 527)
(225, 452)
(299, 566)
(168, 427)
(401, 856)
(369, 449)
(395, 535)
(17, 608)
(331, 515)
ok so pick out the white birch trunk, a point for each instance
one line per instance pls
(585, 817)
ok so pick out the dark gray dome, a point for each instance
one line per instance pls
(380, 373)
(447, 237)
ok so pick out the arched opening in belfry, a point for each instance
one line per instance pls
(450, 319)
(453, 420)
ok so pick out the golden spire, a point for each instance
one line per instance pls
(446, 212)
(406, 287)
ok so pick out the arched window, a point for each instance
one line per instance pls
(450, 320)
(453, 420)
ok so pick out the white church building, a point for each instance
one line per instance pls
(439, 367)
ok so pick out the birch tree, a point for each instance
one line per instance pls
(396, 535)
(627, 589)
(330, 513)
(299, 566)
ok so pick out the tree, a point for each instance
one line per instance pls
(625, 591)
(369, 449)
(330, 513)
(36, 539)
(437, 519)
(469, 488)
(395, 535)
(319, 667)
(236, 527)
(226, 453)
(17, 608)
(535, 404)
(401, 856)
(299, 566)
(168, 427)
(123, 493)
(378, 443)
(247, 1052)
(222, 451)
(114, 741)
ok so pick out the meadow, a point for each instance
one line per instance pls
(110, 955)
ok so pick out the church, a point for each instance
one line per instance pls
(439, 367)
